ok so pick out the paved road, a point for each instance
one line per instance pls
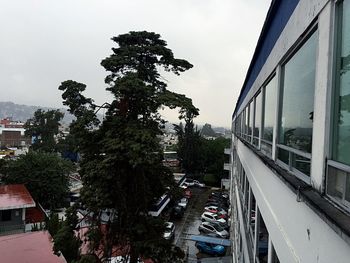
(188, 225)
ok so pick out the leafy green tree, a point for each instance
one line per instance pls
(189, 146)
(44, 127)
(65, 240)
(214, 157)
(121, 165)
(44, 174)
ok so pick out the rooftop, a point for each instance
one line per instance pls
(15, 196)
(28, 247)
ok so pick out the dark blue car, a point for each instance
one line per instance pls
(211, 249)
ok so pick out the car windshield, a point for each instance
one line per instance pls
(218, 228)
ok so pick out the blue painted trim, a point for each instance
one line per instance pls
(277, 17)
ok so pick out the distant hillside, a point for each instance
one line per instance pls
(24, 112)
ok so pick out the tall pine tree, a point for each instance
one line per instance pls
(121, 165)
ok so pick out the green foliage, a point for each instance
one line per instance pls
(211, 180)
(86, 259)
(53, 224)
(44, 128)
(44, 174)
(122, 166)
(213, 152)
(67, 243)
(64, 238)
(200, 156)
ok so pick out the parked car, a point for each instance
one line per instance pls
(177, 212)
(208, 228)
(221, 194)
(189, 182)
(211, 217)
(215, 209)
(218, 204)
(198, 184)
(169, 232)
(183, 202)
(225, 226)
(211, 249)
(188, 193)
(184, 185)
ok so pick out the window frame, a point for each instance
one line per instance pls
(343, 203)
(292, 151)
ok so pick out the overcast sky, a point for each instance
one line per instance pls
(46, 42)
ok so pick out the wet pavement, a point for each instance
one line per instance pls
(190, 222)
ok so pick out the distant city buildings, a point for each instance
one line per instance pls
(12, 134)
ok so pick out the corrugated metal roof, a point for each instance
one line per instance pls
(15, 196)
(28, 247)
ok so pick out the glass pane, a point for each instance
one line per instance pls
(341, 149)
(270, 110)
(251, 118)
(302, 164)
(257, 122)
(298, 97)
(336, 182)
(263, 242)
(283, 156)
(246, 112)
(347, 192)
(266, 148)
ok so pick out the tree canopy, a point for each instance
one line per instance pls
(44, 174)
(121, 165)
(44, 127)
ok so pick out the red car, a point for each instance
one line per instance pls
(188, 193)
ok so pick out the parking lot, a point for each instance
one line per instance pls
(188, 225)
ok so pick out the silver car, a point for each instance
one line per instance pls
(217, 230)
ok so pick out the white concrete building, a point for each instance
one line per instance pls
(290, 150)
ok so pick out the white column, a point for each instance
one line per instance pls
(322, 100)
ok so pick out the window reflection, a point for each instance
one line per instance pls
(341, 149)
(257, 122)
(298, 97)
(270, 110)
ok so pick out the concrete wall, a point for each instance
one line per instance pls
(298, 234)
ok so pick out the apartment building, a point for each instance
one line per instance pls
(290, 155)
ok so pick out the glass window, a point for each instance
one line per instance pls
(270, 91)
(341, 142)
(269, 110)
(257, 121)
(338, 185)
(251, 119)
(6, 215)
(298, 97)
(263, 242)
(246, 114)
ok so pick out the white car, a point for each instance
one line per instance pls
(216, 229)
(197, 183)
(183, 202)
(215, 209)
(189, 182)
(169, 232)
(211, 217)
(184, 185)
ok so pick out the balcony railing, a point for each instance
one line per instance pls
(227, 166)
(227, 151)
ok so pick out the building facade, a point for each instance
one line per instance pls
(290, 155)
